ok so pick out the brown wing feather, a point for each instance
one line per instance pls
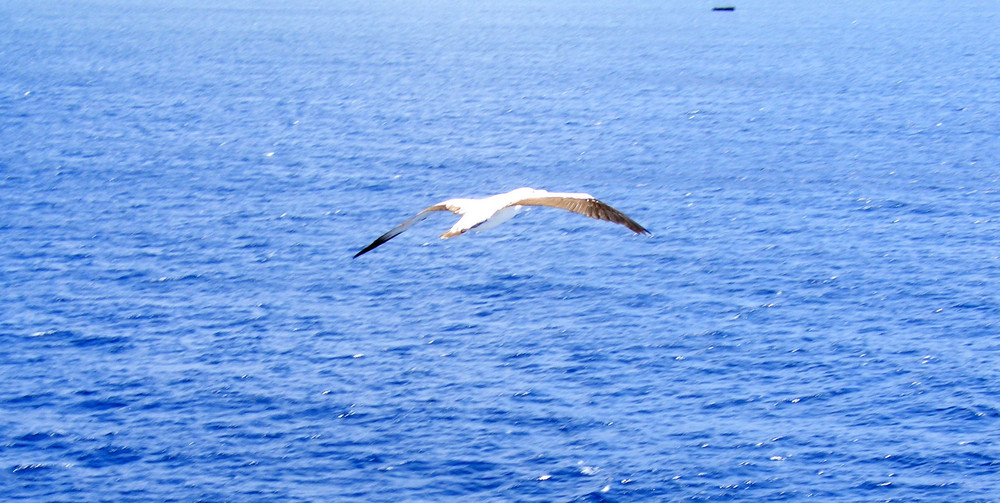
(587, 207)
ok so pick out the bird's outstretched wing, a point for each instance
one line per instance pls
(585, 205)
(397, 230)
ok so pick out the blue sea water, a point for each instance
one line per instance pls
(183, 184)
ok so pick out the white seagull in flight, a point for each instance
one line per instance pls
(489, 212)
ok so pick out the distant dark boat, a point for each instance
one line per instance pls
(724, 8)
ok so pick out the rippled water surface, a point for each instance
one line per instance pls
(183, 184)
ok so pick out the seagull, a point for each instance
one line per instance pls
(489, 212)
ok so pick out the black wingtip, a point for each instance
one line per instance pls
(362, 252)
(381, 239)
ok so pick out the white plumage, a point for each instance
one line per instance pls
(489, 212)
